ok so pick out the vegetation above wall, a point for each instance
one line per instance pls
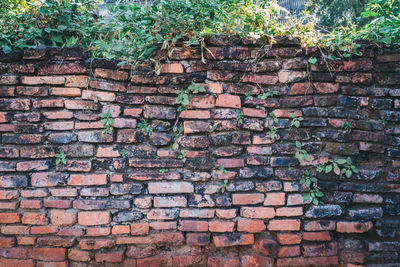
(132, 32)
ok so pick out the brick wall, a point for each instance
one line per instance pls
(102, 208)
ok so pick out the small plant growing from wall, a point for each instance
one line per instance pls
(108, 122)
(145, 126)
(295, 122)
(60, 158)
(239, 116)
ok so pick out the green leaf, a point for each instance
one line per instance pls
(328, 168)
(312, 60)
(175, 146)
(306, 196)
(348, 173)
(298, 144)
(6, 49)
(341, 161)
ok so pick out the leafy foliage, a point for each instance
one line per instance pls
(239, 116)
(145, 125)
(224, 185)
(108, 122)
(60, 158)
(295, 122)
(132, 31)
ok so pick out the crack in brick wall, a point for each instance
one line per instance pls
(78, 214)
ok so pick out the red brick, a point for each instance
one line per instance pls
(80, 104)
(62, 218)
(316, 236)
(251, 226)
(289, 238)
(228, 101)
(30, 204)
(266, 246)
(256, 261)
(16, 263)
(98, 96)
(9, 218)
(144, 240)
(120, 229)
(193, 226)
(89, 244)
(231, 163)
(291, 251)
(236, 239)
(124, 123)
(322, 249)
(111, 74)
(127, 136)
(326, 88)
(57, 203)
(247, 199)
(34, 218)
(221, 226)
(202, 102)
(301, 89)
(319, 225)
(181, 261)
(48, 103)
(133, 112)
(78, 255)
(36, 165)
(226, 214)
(257, 212)
(35, 80)
(169, 239)
(8, 205)
(32, 90)
(26, 240)
(49, 254)
(163, 225)
(93, 218)
(107, 86)
(15, 230)
(254, 112)
(198, 239)
(171, 68)
(63, 192)
(9, 152)
(47, 179)
(76, 81)
(41, 230)
(139, 228)
(70, 232)
(353, 227)
(109, 256)
(7, 242)
(162, 260)
(170, 187)
(259, 79)
(274, 199)
(62, 91)
(223, 262)
(289, 211)
(87, 179)
(194, 114)
(15, 104)
(284, 225)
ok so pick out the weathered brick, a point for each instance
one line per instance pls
(257, 212)
(228, 101)
(93, 218)
(170, 188)
(284, 225)
(235, 239)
